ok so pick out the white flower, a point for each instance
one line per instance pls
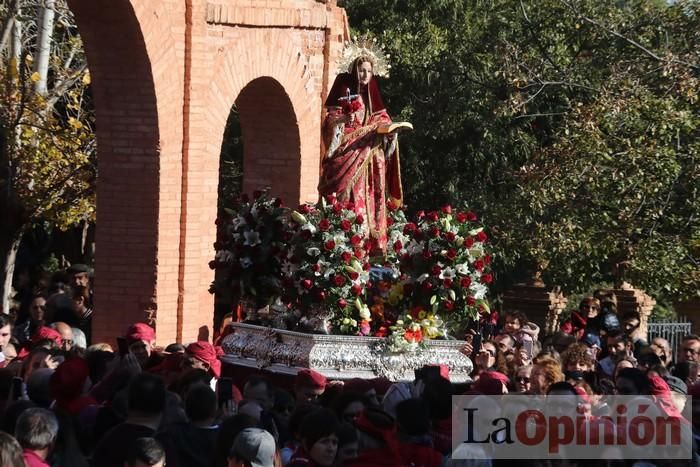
(422, 277)
(478, 289)
(447, 273)
(313, 251)
(462, 269)
(310, 227)
(246, 262)
(414, 247)
(364, 313)
(252, 238)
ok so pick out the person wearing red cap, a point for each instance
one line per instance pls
(309, 386)
(141, 339)
(67, 383)
(204, 356)
(45, 333)
(378, 440)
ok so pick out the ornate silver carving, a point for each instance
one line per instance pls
(337, 357)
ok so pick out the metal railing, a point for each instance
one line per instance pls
(672, 331)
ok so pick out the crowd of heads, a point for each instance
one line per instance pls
(143, 403)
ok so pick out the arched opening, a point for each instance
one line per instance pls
(260, 148)
(271, 142)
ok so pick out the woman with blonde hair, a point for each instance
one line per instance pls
(545, 372)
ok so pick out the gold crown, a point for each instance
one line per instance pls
(365, 47)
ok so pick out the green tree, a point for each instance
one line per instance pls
(570, 125)
(47, 143)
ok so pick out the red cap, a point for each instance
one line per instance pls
(311, 378)
(207, 353)
(45, 332)
(491, 383)
(140, 332)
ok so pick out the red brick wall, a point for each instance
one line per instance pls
(165, 75)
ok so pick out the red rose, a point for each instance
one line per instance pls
(338, 280)
(345, 225)
(304, 208)
(355, 240)
(487, 259)
(389, 222)
(413, 336)
(346, 257)
(471, 301)
(471, 216)
(449, 305)
(366, 266)
(397, 246)
(481, 237)
(486, 278)
(447, 209)
(447, 283)
(307, 284)
(427, 254)
(461, 217)
(434, 232)
(353, 275)
(469, 242)
(359, 253)
(342, 303)
(337, 208)
(324, 225)
(359, 219)
(349, 205)
(356, 290)
(478, 265)
(321, 295)
(427, 286)
(420, 215)
(316, 267)
(433, 216)
(330, 199)
(409, 228)
(383, 331)
(449, 236)
(451, 254)
(465, 282)
(436, 270)
(329, 245)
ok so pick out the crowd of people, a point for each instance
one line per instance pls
(66, 401)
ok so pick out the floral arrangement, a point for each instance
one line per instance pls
(313, 264)
(249, 249)
(443, 262)
(326, 267)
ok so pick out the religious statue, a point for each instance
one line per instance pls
(361, 164)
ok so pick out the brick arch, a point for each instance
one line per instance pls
(130, 48)
(271, 140)
(165, 75)
(275, 59)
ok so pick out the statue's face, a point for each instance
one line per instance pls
(364, 71)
